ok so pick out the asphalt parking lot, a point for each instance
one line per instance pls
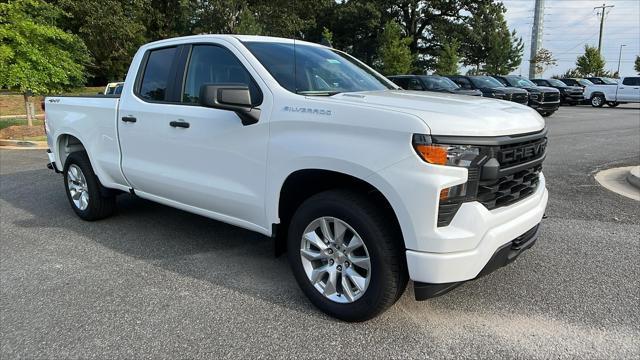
(154, 282)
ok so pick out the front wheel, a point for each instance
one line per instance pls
(613, 103)
(597, 100)
(345, 256)
(547, 113)
(83, 189)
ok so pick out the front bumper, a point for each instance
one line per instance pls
(505, 255)
(545, 106)
(488, 230)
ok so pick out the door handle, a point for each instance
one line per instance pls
(129, 119)
(182, 124)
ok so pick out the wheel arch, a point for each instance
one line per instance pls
(65, 144)
(304, 183)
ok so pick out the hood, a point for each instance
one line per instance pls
(448, 114)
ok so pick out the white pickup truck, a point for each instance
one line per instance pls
(627, 90)
(364, 185)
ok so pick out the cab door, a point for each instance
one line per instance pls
(629, 90)
(202, 159)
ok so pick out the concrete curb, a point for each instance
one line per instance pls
(22, 144)
(633, 177)
(616, 180)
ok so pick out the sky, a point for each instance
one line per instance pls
(570, 24)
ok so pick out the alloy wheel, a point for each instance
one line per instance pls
(78, 188)
(335, 259)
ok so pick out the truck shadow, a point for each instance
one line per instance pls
(171, 239)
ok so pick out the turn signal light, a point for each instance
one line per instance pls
(432, 154)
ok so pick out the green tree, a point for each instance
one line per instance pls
(489, 45)
(590, 63)
(636, 65)
(448, 59)
(35, 55)
(395, 56)
(248, 25)
(432, 23)
(543, 59)
(327, 37)
(112, 30)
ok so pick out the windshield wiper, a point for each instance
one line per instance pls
(318, 93)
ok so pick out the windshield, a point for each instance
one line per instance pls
(485, 82)
(556, 82)
(518, 81)
(439, 83)
(585, 82)
(318, 70)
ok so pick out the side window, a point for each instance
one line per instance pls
(502, 81)
(156, 74)
(414, 84)
(633, 81)
(463, 82)
(215, 65)
(402, 82)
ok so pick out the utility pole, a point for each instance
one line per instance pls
(602, 13)
(536, 36)
(619, 58)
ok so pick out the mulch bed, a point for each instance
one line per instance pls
(19, 132)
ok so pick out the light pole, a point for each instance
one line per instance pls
(619, 57)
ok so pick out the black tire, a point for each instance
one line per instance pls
(613, 103)
(547, 113)
(385, 246)
(100, 205)
(598, 100)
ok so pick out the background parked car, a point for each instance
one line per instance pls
(431, 83)
(114, 88)
(546, 100)
(602, 81)
(576, 82)
(571, 95)
(626, 91)
(491, 87)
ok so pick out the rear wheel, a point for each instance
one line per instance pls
(84, 190)
(613, 103)
(344, 255)
(597, 100)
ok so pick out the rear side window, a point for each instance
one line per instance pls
(215, 65)
(156, 74)
(633, 81)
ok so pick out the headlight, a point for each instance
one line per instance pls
(441, 154)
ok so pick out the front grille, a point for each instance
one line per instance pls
(520, 98)
(522, 152)
(551, 96)
(509, 189)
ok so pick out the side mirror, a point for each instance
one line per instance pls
(232, 97)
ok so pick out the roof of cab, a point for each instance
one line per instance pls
(241, 38)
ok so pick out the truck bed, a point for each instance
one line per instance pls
(92, 120)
